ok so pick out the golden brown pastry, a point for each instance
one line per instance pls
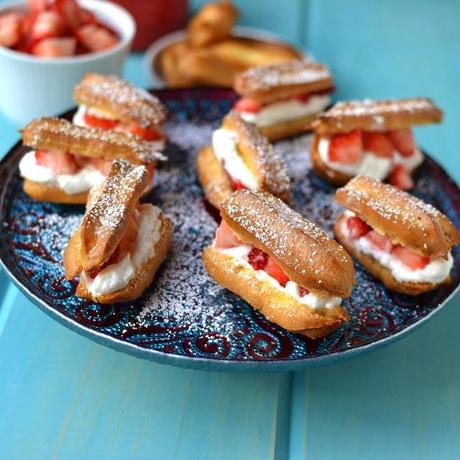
(68, 160)
(240, 157)
(280, 263)
(372, 138)
(401, 240)
(283, 99)
(120, 243)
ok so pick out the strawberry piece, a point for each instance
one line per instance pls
(96, 122)
(378, 144)
(10, 29)
(346, 148)
(257, 259)
(409, 258)
(95, 37)
(400, 177)
(246, 104)
(58, 161)
(55, 47)
(357, 227)
(102, 165)
(304, 97)
(275, 271)
(236, 185)
(70, 12)
(403, 141)
(302, 291)
(379, 241)
(225, 238)
(148, 134)
(48, 24)
(86, 16)
(37, 6)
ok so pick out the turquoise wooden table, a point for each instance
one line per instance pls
(65, 397)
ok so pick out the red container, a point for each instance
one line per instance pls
(155, 18)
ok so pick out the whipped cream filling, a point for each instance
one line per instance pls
(287, 110)
(224, 144)
(240, 255)
(82, 181)
(79, 120)
(435, 272)
(370, 164)
(117, 276)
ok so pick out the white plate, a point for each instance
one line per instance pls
(154, 50)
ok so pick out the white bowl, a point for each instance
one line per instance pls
(155, 49)
(32, 87)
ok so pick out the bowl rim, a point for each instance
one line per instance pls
(124, 41)
(154, 50)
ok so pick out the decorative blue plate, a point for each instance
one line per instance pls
(184, 318)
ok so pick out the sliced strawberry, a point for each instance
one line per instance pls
(236, 185)
(148, 134)
(102, 165)
(47, 25)
(379, 241)
(304, 97)
(96, 122)
(403, 141)
(357, 227)
(225, 238)
(275, 271)
(303, 291)
(400, 177)
(378, 143)
(409, 258)
(86, 16)
(346, 148)
(246, 104)
(95, 37)
(58, 161)
(55, 47)
(36, 6)
(10, 29)
(70, 12)
(257, 259)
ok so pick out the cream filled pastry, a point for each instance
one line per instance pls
(280, 263)
(372, 138)
(401, 240)
(120, 243)
(68, 160)
(283, 99)
(109, 103)
(240, 158)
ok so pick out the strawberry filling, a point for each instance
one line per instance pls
(258, 259)
(357, 229)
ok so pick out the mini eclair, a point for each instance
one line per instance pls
(68, 160)
(240, 157)
(110, 103)
(120, 243)
(283, 99)
(372, 138)
(280, 263)
(401, 240)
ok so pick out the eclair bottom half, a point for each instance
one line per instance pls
(46, 193)
(277, 306)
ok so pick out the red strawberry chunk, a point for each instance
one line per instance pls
(148, 134)
(400, 177)
(55, 47)
(257, 259)
(275, 271)
(58, 161)
(403, 141)
(236, 185)
(247, 104)
(357, 227)
(36, 6)
(346, 148)
(303, 291)
(70, 12)
(409, 258)
(48, 24)
(86, 16)
(102, 165)
(95, 37)
(225, 238)
(379, 241)
(304, 97)
(96, 122)
(10, 29)
(378, 143)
